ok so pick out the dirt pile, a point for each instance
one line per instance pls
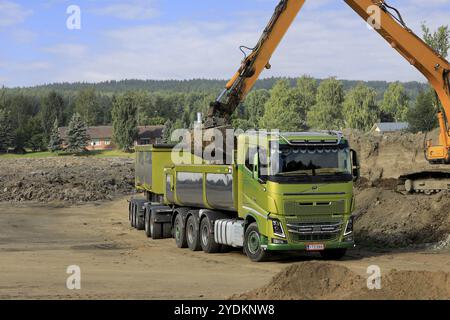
(319, 280)
(390, 155)
(388, 218)
(65, 179)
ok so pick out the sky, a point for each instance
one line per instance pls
(186, 39)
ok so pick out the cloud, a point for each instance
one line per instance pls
(131, 10)
(12, 13)
(327, 39)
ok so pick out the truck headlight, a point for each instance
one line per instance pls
(278, 228)
(349, 227)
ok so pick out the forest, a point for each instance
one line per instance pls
(27, 115)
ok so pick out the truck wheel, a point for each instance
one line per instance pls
(333, 254)
(207, 241)
(155, 228)
(192, 235)
(133, 216)
(130, 206)
(252, 244)
(179, 232)
(139, 220)
(147, 223)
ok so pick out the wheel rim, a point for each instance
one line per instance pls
(190, 233)
(146, 222)
(253, 243)
(205, 235)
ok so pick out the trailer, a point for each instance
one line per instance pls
(294, 193)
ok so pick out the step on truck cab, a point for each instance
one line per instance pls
(280, 192)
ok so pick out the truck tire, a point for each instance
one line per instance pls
(207, 241)
(192, 234)
(179, 232)
(133, 215)
(130, 206)
(139, 220)
(147, 223)
(333, 254)
(252, 244)
(156, 229)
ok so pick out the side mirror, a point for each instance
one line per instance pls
(256, 166)
(356, 169)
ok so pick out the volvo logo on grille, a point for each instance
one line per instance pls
(315, 188)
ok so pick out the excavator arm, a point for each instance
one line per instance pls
(434, 67)
(391, 27)
(244, 79)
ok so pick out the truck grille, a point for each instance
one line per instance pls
(315, 231)
(302, 208)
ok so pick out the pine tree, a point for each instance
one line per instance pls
(124, 117)
(55, 138)
(6, 131)
(77, 136)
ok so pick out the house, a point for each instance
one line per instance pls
(386, 127)
(101, 137)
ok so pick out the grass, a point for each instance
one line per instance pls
(47, 154)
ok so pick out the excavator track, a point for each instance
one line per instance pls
(427, 182)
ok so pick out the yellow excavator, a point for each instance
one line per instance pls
(388, 22)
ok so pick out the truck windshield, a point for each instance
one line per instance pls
(311, 160)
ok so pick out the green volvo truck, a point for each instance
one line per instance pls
(294, 193)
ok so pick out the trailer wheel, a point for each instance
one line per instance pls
(147, 223)
(252, 244)
(207, 241)
(129, 211)
(140, 225)
(192, 235)
(156, 229)
(333, 254)
(133, 216)
(179, 232)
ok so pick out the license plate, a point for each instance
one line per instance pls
(315, 247)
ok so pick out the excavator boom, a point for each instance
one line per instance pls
(388, 23)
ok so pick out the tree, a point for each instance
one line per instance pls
(124, 117)
(88, 106)
(439, 40)
(422, 117)
(281, 109)
(6, 131)
(55, 138)
(77, 136)
(253, 108)
(167, 131)
(395, 102)
(327, 112)
(305, 93)
(360, 109)
(52, 108)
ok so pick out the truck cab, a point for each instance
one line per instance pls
(297, 192)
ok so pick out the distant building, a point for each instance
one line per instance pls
(101, 137)
(386, 127)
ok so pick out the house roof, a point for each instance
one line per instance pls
(106, 132)
(391, 126)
